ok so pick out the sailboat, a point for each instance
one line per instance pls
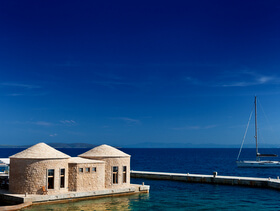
(258, 162)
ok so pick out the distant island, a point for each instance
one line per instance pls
(55, 145)
(193, 145)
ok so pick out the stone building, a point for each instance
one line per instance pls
(86, 175)
(117, 167)
(41, 169)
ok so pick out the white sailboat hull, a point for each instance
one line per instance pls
(259, 164)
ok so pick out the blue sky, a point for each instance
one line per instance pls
(132, 72)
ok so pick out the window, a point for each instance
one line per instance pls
(93, 169)
(124, 174)
(87, 170)
(115, 174)
(50, 178)
(62, 178)
(81, 170)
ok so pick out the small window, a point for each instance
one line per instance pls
(87, 170)
(93, 169)
(50, 178)
(62, 178)
(124, 174)
(115, 174)
(81, 170)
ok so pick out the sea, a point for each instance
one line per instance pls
(174, 195)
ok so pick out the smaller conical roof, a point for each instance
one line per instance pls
(104, 151)
(40, 151)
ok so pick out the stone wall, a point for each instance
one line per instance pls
(86, 181)
(120, 162)
(29, 175)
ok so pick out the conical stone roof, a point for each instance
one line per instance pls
(40, 151)
(104, 151)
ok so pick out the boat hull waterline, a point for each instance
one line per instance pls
(259, 164)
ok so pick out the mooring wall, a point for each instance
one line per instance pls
(211, 179)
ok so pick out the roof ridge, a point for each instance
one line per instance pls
(104, 150)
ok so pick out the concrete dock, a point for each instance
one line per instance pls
(211, 179)
(26, 200)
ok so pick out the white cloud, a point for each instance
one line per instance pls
(210, 126)
(235, 79)
(112, 84)
(42, 123)
(68, 122)
(45, 123)
(250, 78)
(266, 79)
(26, 94)
(128, 120)
(15, 94)
(195, 127)
(26, 86)
(21, 89)
(192, 80)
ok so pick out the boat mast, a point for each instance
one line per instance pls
(256, 128)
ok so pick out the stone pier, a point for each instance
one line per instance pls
(211, 179)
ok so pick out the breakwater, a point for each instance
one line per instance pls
(211, 179)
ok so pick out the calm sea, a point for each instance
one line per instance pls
(171, 195)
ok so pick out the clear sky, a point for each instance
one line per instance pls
(132, 72)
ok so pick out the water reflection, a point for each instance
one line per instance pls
(107, 203)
